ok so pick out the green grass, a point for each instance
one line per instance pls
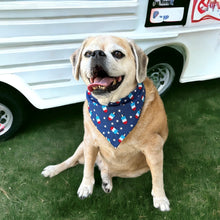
(191, 165)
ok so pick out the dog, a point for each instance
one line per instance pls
(114, 69)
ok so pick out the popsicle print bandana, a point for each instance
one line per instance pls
(116, 120)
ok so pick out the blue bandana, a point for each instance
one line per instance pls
(117, 119)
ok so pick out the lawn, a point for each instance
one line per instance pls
(191, 165)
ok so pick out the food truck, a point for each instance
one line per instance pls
(181, 39)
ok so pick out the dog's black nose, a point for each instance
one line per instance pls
(98, 54)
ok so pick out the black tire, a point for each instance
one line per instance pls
(12, 113)
(164, 68)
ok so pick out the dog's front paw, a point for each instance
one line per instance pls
(85, 189)
(162, 203)
(107, 186)
(50, 171)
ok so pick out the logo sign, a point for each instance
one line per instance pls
(166, 12)
(159, 15)
(206, 9)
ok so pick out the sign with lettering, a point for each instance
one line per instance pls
(166, 12)
(206, 9)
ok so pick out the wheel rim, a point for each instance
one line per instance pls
(6, 119)
(162, 75)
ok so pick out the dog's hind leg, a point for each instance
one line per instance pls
(76, 158)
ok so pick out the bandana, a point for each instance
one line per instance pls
(117, 119)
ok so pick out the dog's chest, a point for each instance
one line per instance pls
(117, 120)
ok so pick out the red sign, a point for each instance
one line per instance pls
(206, 9)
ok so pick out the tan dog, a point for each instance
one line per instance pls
(111, 67)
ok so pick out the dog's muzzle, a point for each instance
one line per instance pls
(101, 82)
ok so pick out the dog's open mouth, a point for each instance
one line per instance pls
(101, 82)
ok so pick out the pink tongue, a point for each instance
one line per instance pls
(98, 81)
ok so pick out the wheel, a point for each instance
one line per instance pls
(165, 67)
(162, 74)
(12, 114)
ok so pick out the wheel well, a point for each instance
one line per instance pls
(4, 87)
(170, 55)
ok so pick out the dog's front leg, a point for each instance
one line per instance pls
(154, 157)
(86, 186)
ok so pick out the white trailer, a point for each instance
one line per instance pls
(181, 38)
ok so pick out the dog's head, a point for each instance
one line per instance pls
(110, 66)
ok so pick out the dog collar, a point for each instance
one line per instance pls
(116, 120)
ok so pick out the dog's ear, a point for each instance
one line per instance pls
(75, 60)
(141, 61)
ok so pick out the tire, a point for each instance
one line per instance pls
(164, 68)
(12, 113)
(162, 74)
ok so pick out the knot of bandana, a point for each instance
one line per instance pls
(117, 119)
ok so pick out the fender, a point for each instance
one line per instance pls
(17, 83)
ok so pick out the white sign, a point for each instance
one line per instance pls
(206, 9)
(159, 15)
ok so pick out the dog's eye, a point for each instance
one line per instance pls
(88, 53)
(117, 54)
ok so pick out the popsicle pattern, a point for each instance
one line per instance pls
(116, 120)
